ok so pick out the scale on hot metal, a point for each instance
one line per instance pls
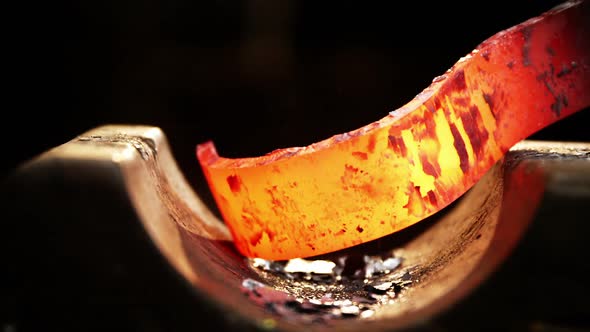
(109, 233)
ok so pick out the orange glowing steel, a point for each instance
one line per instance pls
(381, 178)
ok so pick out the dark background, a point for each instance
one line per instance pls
(253, 76)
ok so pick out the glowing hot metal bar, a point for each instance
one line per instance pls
(381, 178)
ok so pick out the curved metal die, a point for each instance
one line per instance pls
(106, 232)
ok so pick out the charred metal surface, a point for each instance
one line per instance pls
(320, 290)
(526, 34)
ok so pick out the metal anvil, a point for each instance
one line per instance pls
(105, 233)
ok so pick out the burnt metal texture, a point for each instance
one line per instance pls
(104, 233)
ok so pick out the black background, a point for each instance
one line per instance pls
(253, 76)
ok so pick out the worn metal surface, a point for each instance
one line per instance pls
(116, 234)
